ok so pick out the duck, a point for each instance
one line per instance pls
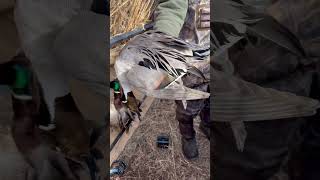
(154, 63)
(235, 99)
(126, 109)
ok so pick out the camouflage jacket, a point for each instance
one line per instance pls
(170, 16)
(177, 18)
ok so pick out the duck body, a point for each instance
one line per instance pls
(235, 99)
(155, 55)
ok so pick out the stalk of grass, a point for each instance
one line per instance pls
(126, 15)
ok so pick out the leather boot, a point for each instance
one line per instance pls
(189, 148)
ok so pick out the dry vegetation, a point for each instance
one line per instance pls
(146, 161)
(127, 15)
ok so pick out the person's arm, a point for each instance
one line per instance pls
(170, 16)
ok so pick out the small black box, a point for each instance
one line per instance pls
(163, 141)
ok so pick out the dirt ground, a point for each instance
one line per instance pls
(146, 161)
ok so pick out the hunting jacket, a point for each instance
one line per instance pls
(177, 18)
(170, 16)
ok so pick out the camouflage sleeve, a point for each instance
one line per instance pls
(170, 16)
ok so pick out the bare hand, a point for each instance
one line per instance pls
(204, 19)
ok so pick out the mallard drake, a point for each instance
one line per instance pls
(126, 108)
(154, 62)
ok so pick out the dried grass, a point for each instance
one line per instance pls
(127, 15)
(146, 161)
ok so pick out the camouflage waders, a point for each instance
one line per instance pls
(191, 33)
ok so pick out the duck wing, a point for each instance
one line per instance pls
(238, 100)
(158, 84)
(156, 50)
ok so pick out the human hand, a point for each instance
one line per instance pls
(204, 17)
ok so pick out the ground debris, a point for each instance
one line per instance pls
(146, 161)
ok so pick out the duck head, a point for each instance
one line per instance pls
(126, 106)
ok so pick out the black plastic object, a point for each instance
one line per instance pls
(163, 141)
(118, 167)
(125, 36)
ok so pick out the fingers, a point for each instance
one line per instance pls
(204, 25)
(205, 14)
(205, 10)
(204, 21)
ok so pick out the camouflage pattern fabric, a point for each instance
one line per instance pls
(190, 33)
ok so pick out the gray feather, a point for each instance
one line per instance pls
(238, 100)
(158, 52)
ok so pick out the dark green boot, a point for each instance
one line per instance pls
(189, 148)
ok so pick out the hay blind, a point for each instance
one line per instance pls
(127, 15)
